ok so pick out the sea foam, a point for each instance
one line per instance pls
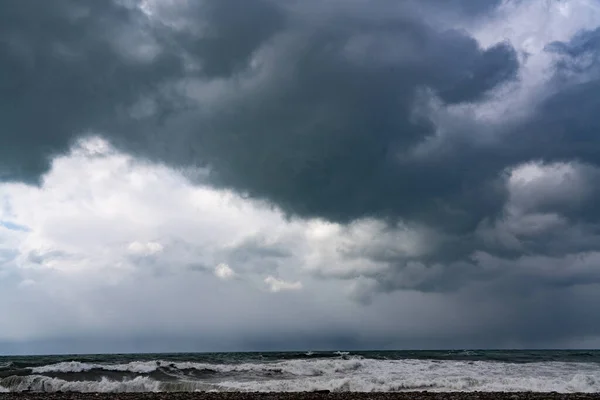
(346, 373)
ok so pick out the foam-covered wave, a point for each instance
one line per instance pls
(335, 374)
(76, 366)
(37, 383)
(292, 367)
(405, 375)
(578, 383)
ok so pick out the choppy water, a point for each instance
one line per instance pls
(561, 371)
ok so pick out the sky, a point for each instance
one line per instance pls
(232, 175)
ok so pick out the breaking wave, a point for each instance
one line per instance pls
(342, 373)
(292, 367)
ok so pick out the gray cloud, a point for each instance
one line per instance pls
(62, 74)
(468, 7)
(257, 254)
(74, 67)
(340, 111)
(327, 133)
(332, 137)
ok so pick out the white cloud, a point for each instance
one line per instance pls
(535, 184)
(278, 285)
(110, 238)
(530, 25)
(27, 282)
(145, 249)
(100, 207)
(224, 271)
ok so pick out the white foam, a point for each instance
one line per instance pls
(46, 384)
(76, 366)
(140, 384)
(403, 375)
(4, 390)
(294, 367)
(69, 366)
(348, 374)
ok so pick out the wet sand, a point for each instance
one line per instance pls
(300, 396)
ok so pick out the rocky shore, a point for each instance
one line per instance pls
(301, 396)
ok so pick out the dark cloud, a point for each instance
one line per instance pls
(466, 6)
(331, 131)
(323, 136)
(540, 251)
(71, 67)
(581, 52)
(235, 29)
(62, 75)
(546, 238)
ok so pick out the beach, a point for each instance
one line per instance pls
(301, 396)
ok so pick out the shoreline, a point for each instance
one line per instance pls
(300, 396)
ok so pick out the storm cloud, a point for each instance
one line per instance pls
(374, 151)
(321, 121)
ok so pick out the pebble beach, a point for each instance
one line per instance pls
(301, 396)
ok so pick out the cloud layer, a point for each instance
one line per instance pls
(358, 160)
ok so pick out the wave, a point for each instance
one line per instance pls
(292, 367)
(334, 374)
(76, 366)
(36, 383)
(341, 353)
(577, 384)
(4, 365)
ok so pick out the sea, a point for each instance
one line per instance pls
(366, 371)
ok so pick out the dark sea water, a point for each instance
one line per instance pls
(561, 371)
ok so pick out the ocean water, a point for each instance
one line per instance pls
(507, 371)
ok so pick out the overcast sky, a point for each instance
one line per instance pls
(280, 174)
